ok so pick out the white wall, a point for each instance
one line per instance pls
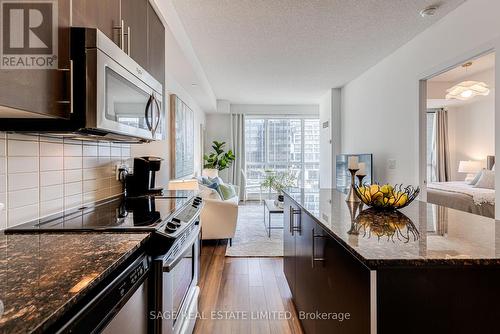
(325, 141)
(218, 127)
(472, 133)
(380, 112)
(330, 137)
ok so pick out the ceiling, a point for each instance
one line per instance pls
(293, 51)
(458, 73)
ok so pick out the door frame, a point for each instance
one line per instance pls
(492, 46)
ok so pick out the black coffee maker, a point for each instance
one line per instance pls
(142, 181)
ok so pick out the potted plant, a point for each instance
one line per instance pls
(218, 160)
(279, 181)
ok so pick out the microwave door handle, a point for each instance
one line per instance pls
(171, 263)
(158, 116)
(146, 112)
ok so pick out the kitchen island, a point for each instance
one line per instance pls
(43, 277)
(425, 269)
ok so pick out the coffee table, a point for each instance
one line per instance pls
(272, 209)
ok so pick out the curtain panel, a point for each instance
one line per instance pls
(238, 147)
(443, 170)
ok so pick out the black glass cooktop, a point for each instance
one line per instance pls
(142, 213)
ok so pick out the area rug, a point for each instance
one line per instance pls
(251, 239)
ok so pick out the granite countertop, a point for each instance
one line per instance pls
(420, 234)
(42, 275)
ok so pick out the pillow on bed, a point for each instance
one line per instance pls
(476, 178)
(487, 180)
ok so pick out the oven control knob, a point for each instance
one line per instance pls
(170, 227)
(197, 198)
(176, 221)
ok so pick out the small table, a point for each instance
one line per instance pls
(272, 209)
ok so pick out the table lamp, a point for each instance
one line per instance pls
(470, 167)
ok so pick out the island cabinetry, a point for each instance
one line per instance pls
(325, 279)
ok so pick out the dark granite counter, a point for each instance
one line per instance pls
(42, 275)
(421, 234)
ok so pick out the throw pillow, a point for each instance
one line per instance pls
(227, 191)
(208, 193)
(487, 180)
(476, 178)
(216, 179)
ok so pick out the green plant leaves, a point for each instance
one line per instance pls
(219, 160)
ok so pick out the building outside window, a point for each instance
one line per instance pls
(282, 144)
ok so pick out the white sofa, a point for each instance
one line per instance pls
(218, 217)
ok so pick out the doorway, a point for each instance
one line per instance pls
(460, 137)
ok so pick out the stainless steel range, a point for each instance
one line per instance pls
(172, 289)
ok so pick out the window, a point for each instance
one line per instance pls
(282, 144)
(431, 146)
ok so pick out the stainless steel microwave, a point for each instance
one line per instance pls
(112, 97)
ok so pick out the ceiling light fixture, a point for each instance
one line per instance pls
(467, 89)
(429, 11)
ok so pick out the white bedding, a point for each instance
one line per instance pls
(479, 195)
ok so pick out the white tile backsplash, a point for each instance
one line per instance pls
(23, 197)
(51, 163)
(40, 176)
(51, 177)
(51, 149)
(22, 164)
(72, 162)
(18, 181)
(72, 150)
(51, 192)
(22, 148)
(73, 175)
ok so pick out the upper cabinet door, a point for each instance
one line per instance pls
(156, 46)
(35, 81)
(135, 19)
(103, 15)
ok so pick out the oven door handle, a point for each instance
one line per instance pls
(171, 263)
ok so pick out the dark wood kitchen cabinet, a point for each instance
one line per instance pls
(156, 45)
(135, 18)
(323, 277)
(142, 33)
(103, 15)
(38, 93)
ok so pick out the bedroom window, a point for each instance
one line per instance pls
(431, 146)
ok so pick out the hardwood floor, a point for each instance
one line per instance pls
(243, 295)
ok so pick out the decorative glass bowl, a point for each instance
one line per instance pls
(386, 197)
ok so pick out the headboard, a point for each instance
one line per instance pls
(490, 162)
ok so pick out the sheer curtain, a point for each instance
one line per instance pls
(238, 147)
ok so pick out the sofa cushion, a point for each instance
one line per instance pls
(209, 193)
(227, 191)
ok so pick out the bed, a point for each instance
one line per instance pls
(462, 196)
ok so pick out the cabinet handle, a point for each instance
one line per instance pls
(120, 36)
(293, 212)
(313, 257)
(128, 41)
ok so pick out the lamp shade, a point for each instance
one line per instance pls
(210, 172)
(469, 166)
(183, 185)
(467, 90)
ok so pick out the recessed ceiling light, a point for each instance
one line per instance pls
(429, 11)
